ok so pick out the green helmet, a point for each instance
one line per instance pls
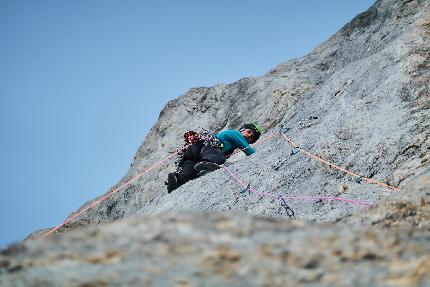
(255, 127)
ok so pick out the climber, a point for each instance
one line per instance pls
(206, 151)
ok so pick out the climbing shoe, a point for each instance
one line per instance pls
(207, 166)
(202, 173)
(172, 182)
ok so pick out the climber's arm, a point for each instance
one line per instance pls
(240, 142)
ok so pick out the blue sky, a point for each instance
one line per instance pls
(82, 82)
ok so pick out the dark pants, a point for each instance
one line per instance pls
(194, 154)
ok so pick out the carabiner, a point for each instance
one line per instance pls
(295, 150)
(283, 130)
(246, 189)
(358, 180)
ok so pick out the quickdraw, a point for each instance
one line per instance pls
(359, 180)
(248, 188)
(283, 130)
(209, 139)
(295, 150)
(288, 209)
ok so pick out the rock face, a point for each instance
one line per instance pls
(361, 100)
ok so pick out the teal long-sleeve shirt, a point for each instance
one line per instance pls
(232, 140)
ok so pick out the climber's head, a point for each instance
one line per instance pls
(251, 132)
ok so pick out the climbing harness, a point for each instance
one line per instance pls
(210, 139)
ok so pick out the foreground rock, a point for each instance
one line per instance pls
(216, 249)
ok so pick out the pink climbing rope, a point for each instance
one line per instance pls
(133, 179)
(276, 196)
